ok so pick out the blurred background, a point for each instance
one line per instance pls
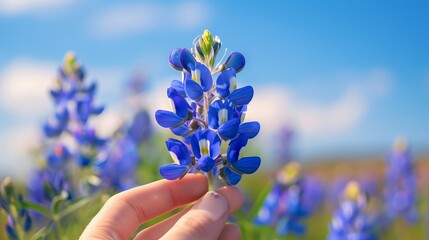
(345, 77)
(348, 77)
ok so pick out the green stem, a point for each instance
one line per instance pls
(19, 229)
(211, 181)
(58, 227)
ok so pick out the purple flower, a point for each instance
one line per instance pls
(292, 199)
(206, 115)
(401, 185)
(117, 170)
(181, 157)
(351, 221)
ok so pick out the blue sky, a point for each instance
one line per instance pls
(349, 76)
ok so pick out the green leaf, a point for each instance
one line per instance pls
(41, 234)
(38, 208)
(74, 206)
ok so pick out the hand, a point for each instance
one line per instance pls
(124, 212)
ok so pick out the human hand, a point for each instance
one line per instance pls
(124, 212)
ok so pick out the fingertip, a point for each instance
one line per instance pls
(233, 196)
(192, 184)
(230, 232)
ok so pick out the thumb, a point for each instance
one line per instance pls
(205, 220)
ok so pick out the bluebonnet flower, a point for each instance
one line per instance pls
(46, 183)
(117, 169)
(18, 221)
(71, 141)
(141, 128)
(208, 113)
(293, 198)
(351, 221)
(401, 185)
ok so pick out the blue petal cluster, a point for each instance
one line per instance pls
(401, 185)
(208, 110)
(74, 104)
(71, 142)
(351, 221)
(292, 199)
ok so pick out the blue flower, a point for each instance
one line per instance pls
(351, 221)
(182, 111)
(117, 169)
(235, 165)
(87, 136)
(221, 116)
(206, 148)
(181, 157)
(401, 185)
(141, 127)
(292, 199)
(85, 106)
(226, 87)
(235, 61)
(215, 114)
(58, 158)
(197, 77)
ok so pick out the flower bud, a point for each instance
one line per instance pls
(7, 189)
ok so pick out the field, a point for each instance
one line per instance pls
(255, 186)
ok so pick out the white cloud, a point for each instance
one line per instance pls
(24, 86)
(123, 19)
(16, 143)
(274, 106)
(14, 7)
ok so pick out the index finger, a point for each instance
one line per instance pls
(123, 213)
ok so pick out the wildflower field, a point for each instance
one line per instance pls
(78, 170)
(316, 113)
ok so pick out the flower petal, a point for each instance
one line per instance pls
(223, 82)
(178, 85)
(241, 96)
(247, 165)
(193, 90)
(228, 129)
(181, 106)
(205, 76)
(167, 119)
(178, 150)
(205, 163)
(97, 110)
(236, 60)
(187, 60)
(214, 143)
(195, 143)
(172, 171)
(234, 148)
(250, 129)
(174, 59)
(180, 130)
(229, 176)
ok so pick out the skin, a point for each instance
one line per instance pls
(205, 218)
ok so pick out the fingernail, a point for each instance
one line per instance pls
(214, 204)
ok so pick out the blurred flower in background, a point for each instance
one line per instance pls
(351, 220)
(293, 198)
(400, 195)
